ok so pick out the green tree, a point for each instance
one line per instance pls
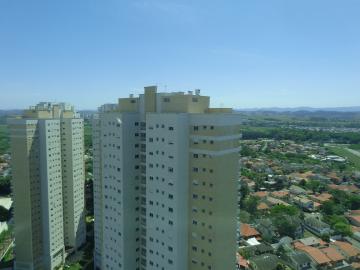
(331, 208)
(343, 229)
(251, 203)
(5, 185)
(281, 266)
(287, 225)
(280, 210)
(245, 216)
(4, 214)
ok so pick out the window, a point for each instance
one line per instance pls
(195, 99)
(196, 128)
(166, 99)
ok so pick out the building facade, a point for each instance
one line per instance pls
(47, 145)
(165, 183)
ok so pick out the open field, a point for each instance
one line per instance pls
(344, 151)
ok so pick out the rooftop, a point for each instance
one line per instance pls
(248, 231)
(316, 254)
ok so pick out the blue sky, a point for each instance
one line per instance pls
(244, 53)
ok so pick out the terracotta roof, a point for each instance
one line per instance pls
(248, 231)
(354, 218)
(355, 265)
(333, 254)
(316, 254)
(324, 197)
(262, 206)
(351, 188)
(280, 193)
(261, 194)
(347, 248)
(355, 212)
(355, 229)
(298, 244)
(241, 261)
(317, 205)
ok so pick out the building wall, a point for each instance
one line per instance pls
(167, 191)
(26, 192)
(120, 191)
(51, 193)
(213, 191)
(98, 193)
(73, 169)
(38, 183)
(186, 180)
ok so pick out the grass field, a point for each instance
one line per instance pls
(355, 146)
(344, 152)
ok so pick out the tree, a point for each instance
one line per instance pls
(244, 190)
(287, 225)
(245, 217)
(280, 266)
(331, 208)
(4, 214)
(280, 210)
(325, 237)
(354, 202)
(343, 229)
(251, 203)
(5, 185)
(245, 253)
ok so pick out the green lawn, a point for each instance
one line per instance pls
(343, 152)
(355, 146)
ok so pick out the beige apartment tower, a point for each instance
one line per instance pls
(47, 145)
(165, 183)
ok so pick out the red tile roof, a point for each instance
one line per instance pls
(333, 254)
(241, 261)
(316, 254)
(261, 194)
(248, 231)
(262, 206)
(280, 193)
(347, 248)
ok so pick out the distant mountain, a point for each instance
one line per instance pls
(302, 109)
(10, 112)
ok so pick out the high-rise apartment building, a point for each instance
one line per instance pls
(47, 144)
(165, 183)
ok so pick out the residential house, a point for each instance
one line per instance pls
(298, 260)
(319, 259)
(266, 228)
(256, 250)
(241, 262)
(350, 252)
(296, 190)
(304, 203)
(316, 226)
(265, 262)
(248, 232)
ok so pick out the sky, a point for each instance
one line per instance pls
(243, 53)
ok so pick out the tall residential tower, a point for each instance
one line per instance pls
(47, 144)
(165, 183)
